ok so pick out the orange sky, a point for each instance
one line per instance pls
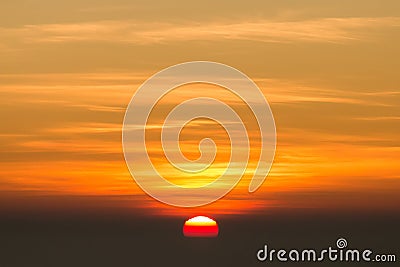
(329, 71)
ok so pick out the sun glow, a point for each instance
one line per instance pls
(200, 220)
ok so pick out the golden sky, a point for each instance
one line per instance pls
(329, 70)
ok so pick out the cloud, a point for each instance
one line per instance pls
(380, 118)
(331, 30)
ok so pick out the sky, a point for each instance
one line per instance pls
(329, 70)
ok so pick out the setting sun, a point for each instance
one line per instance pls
(200, 226)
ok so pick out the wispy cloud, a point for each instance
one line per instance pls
(66, 133)
(336, 30)
(380, 118)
